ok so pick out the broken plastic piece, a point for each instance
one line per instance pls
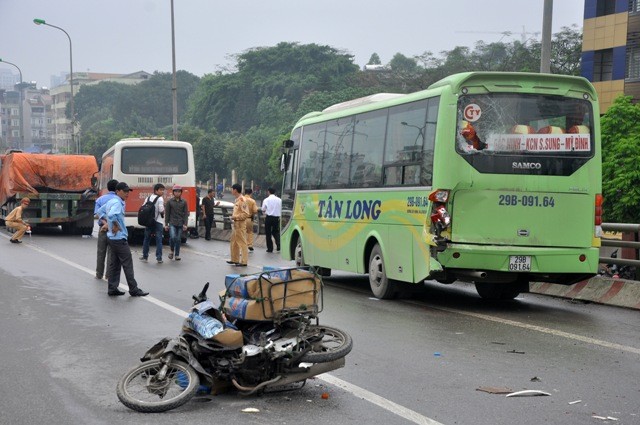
(575, 402)
(527, 393)
(325, 396)
(250, 410)
(495, 390)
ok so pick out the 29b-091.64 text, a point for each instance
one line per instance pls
(527, 201)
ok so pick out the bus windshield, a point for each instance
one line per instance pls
(524, 124)
(154, 160)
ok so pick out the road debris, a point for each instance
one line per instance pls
(536, 379)
(325, 396)
(495, 390)
(607, 418)
(250, 410)
(575, 402)
(527, 393)
(516, 352)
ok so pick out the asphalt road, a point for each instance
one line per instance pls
(419, 359)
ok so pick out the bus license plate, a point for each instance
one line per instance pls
(520, 263)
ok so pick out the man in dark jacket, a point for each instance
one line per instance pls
(176, 217)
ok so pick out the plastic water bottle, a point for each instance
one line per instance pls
(206, 326)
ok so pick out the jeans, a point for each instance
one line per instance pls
(147, 240)
(175, 239)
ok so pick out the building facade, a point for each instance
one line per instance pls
(611, 48)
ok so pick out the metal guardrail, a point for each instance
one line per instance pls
(222, 219)
(635, 245)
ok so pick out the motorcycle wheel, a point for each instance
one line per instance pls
(327, 344)
(138, 390)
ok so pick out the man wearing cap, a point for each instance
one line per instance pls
(14, 220)
(176, 217)
(117, 237)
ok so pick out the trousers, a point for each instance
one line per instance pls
(121, 258)
(238, 244)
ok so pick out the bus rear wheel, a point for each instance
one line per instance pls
(381, 286)
(497, 291)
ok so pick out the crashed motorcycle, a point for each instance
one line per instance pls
(265, 336)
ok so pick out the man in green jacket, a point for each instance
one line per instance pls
(176, 216)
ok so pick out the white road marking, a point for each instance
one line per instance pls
(542, 329)
(389, 405)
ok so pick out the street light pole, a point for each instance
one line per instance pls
(73, 126)
(21, 101)
(174, 85)
(545, 53)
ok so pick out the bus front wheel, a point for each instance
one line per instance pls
(298, 254)
(381, 286)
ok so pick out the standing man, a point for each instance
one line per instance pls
(103, 243)
(14, 220)
(120, 251)
(239, 234)
(208, 202)
(253, 210)
(157, 197)
(176, 217)
(272, 208)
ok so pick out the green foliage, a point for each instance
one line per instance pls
(374, 59)
(620, 158)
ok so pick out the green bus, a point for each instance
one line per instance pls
(486, 177)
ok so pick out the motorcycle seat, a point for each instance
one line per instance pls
(230, 338)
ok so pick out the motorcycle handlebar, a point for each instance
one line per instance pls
(202, 296)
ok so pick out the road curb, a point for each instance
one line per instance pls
(602, 290)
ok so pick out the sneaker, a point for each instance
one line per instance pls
(143, 258)
(138, 293)
(240, 265)
(231, 262)
(278, 249)
(115, 293)
(171, 256)
(159, 260)
(250, 248)
(177, 258)
(15, 241)
(98, 276)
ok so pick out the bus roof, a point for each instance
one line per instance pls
(490, 81)
(145, 142)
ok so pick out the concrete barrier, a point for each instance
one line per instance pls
(598, 289)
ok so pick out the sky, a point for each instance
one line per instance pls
(126, 36)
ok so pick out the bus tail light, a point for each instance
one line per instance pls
(598, 215)
(440, 195)
(440, 217)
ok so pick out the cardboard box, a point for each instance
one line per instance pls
(254, 285)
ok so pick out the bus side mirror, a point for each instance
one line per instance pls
(284, 162)
(287, 144)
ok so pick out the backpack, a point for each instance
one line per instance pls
(147, 213)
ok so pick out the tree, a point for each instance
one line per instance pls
(566, 51)
(620, 127)
(374, 59)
